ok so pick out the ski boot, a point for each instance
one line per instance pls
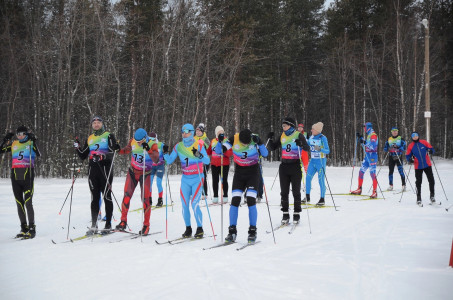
(419, 199)
(374, 195)
(23, 231)
(107, 228)
(285, 219)
(296, 218)
(403, 188)
(144, 231)
(232, 233)
(321, 202)
(215, 200)
(225, 199)
(432, 199)
(121, 226)
(252, 235)
(199, 233)
(306, 200)
(187, 233)
(357, 191)
(160, 202)
(104, 219)
(92, 231)
(390, 188)
(32, 231)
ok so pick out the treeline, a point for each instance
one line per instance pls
(158, 64)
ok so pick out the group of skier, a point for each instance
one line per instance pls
(196, 153)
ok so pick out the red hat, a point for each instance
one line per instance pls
(300, 125)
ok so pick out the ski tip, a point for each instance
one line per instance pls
(53, 242)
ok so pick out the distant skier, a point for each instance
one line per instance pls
(246, 149)
(192, 155)
(99, 148)
(158, 169)
(24, 151)
(200, 134)
(303, 154)
(290, 171)
(216, 162)
(143, 155)
(319, 147)
(418, 153)
(370, 146)
(395, 146)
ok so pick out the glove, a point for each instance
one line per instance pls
(256, 139)
(98, 158)
(221, 137)
(146, 146)
(317, 148)
(76, 144)
(8, 136)
(411, 160)
(32, 136)
(395, 146)
(116, 147)
(165, 148)
(270, 135)
(298, 142)
(358, 135)
(362, 140)
(196, 153)
(430, 151)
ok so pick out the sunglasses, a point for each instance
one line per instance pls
(186, 130)
(21, 133)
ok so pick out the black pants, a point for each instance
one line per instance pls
(97, 179)
(22, 180)
(205, 184)
(216, 172)
(396, 160)
(290, 174)
(419, 177)
(245, 178)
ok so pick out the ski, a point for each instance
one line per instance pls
(97, 235)
(246, 245)
(420, 204)
(366, 199)
(152, 208)
(293, 227)
(435, 204)
(278, 227)
(172, 241)
(191, 239)
(220, 245)
(136, 236)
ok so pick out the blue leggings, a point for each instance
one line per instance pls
(191, 189)
(158, 172)
(316, 165)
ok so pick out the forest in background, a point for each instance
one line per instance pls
(159, 64)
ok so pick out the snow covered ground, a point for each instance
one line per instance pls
(376, 249)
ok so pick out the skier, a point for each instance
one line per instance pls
(24, 151)
(370, 146)
(158, 169)
(99, 148)
(246, 149)
(303, 154)
(143, 155)
(290, 170)
(418, 153)
(192, 155)
(217, 162)
(319, 147)
(200, 134)
(395, 146)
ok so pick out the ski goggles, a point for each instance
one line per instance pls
(185, 130)
(152, 138)
(414, 135)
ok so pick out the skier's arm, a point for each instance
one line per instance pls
(325, 145)
(113, 146)
(83, 152)
(305, 145)
(35, 149)
(386, 146)
(205, 159)
(169, 159)
(263, 150)
(274, 145)
(127, 149)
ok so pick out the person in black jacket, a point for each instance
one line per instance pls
(24, 151)
(291, 143)
(99, 148)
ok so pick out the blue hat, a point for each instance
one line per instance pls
(394, 128)
(140, 134)
(188, 127)
(414, 134)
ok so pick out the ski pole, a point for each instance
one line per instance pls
(169, 190)
(353, 162)
(434, 164)
(143, 192)
(74, 177)
(276, 174)
(401, 163)
(449, 207)
(402, 193)
(325, 175)
(265, 194)
(70, 203)
(166, 202)
(205, 199)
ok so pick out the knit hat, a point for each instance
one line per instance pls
(289, 121)
(318, 126)
(245, 136)
(217, 130)
(153, 135)
(140, 134)
(97, 118)
(201, 127)
(300, 125)
(22, 128)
